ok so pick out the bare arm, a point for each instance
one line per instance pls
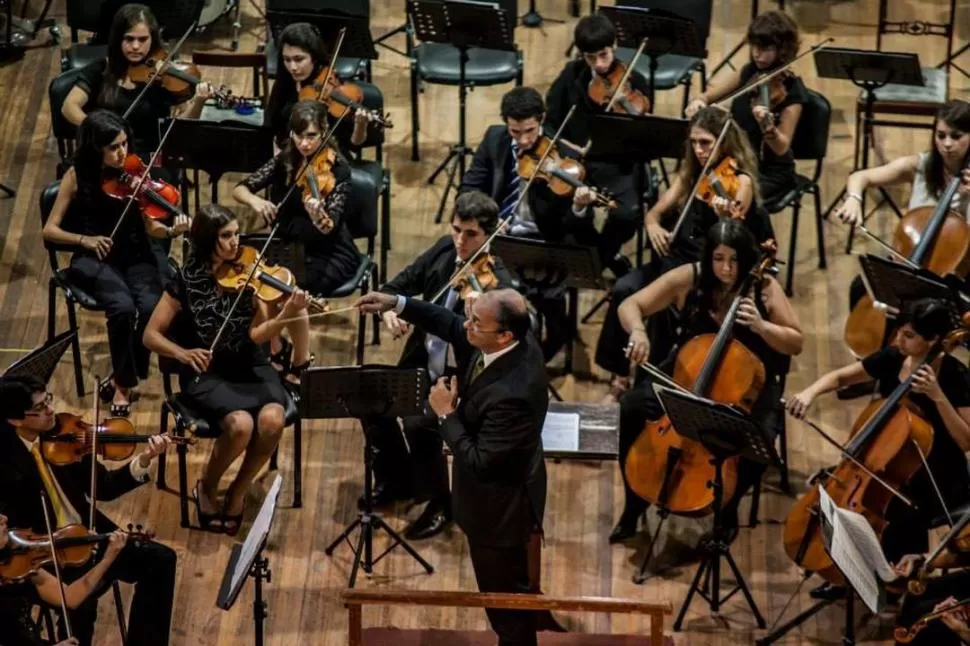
(895, 172)
(655, 297)
(163, 316)
(670, 198)
(77, 592)
(715, 92)
(782, 330)
(848, 375)
(957, 421)
(73, 108)
(65, 195)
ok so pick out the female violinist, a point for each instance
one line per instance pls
(301, 61)
(134, 37)
(320, 224)
(773, 39)
(706, 124)
(122, 271)
(234, 384)
(702, 292)
(16, 599)
(942, 394)
(929, 172)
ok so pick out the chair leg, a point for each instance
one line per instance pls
(819, 231)
(755, 503)
(385, 224)
(783, 445)
(75, 348)
(362, 323)
(51, 309)
(298, 464)
(163, 458)
(120, 608)
(792, 243)
(414, 115)
(180, 452)
(274, 460)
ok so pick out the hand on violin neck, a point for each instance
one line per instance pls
(116, 542)
(316, 209)
(295, 304)
(726, 208)
(583, 197)
(156, 447)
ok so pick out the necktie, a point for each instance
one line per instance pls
(512, 188)
(479, 367)
(438, 347)
(63, 514)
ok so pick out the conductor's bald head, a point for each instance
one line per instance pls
(498, 319)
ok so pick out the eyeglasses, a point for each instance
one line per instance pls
(42, 407)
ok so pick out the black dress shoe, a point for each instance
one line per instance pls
(384, 494)
(432, 521)
(827, 592)
(626, 527)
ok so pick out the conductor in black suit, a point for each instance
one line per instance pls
(491, 417)
(26, 414)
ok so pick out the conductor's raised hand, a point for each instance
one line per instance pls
(376, 303)
(444, 396)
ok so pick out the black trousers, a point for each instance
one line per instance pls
(623, 221)
(129, 290)
(419, 466)
(506, 569)
(613, 338)
(640, 404)
(151, 568)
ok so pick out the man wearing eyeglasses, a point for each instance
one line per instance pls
(26, 415)
(491, 417)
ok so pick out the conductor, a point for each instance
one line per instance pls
(491, 417)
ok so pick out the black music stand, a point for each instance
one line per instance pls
(726, 61)
(357, 39)
(463, 25)
(367, 393)
(41, 362)
(725, 432)
(665, 33)
(868, 70)
(891, 284)
(247, 560)
(551, 266)
(215, 148)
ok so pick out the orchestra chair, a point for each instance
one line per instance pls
(783, 469)
(255, 62)
(46, 624)
(65, 132)
(438, 63)
(907, 100)
(186, 417)
(673, 69)
(60, 281)
(809, 143)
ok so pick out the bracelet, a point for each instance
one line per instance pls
(853, 196)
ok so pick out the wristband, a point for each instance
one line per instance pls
(853, 196)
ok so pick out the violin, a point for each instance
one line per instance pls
(906, 635)
(721, 181)
(318, 181)
(27, 552)
(157, 199)
(562, 174)
(480, 277)
(936, 238)
(614, 92)
(72, 439)
(890, 438)
(340, 97)
(669, 470)
(270, 283)
(177, 77)
(771, 94)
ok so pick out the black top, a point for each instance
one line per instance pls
(571, 88)
(295, 222)
(154, 106)
(16, 625)
(769, 161)
(95, 213)
(946, 460)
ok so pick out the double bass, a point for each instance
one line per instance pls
(671, 471)
(890, 439)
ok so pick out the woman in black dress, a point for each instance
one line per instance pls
(235, 386)
(773, 38)
(320, 225)
(301, 58)
(121, 270)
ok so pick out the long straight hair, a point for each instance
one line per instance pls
(303, 36)
(730, 233)
(99, 129)
(126, 18)
(955, 114)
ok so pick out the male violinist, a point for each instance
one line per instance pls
(419, 468)
(595, 38)
(26, 414)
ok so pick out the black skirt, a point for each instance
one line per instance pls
(229, 388)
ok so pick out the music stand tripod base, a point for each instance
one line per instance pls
(533, 19)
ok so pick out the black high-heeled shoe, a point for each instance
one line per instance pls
(293, 387)
(208, 522)
(282, 360)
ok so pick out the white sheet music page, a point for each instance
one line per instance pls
(561, 432)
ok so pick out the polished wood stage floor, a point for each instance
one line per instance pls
(585, 497)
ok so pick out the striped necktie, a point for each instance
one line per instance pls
(438, 347)
(513, 187)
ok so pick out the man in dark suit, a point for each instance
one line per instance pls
(419, 467)
(26, 414)
(491, 417)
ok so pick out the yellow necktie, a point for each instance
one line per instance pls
(61, 513)
(479, 367)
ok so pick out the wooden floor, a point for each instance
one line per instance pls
(584, 498)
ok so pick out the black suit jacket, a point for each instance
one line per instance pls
(425, 277)
(499, 474)
(489, 173)
(20, 486)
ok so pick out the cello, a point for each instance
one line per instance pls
(671, 471)
(888, 446)
(937, 238)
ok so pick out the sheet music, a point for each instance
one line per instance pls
(854, 547)
(561, 432)
(258, 532)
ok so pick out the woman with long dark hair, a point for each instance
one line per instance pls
(233, 385)
(119, 267)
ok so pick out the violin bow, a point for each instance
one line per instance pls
(57, 565)
(159, 68)
(626, 75)
(951, 535)
(272, 232)
(828, 438)
(726, 101)
(464, 268)
(333, 62)
(94, 457)
(693, 191)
